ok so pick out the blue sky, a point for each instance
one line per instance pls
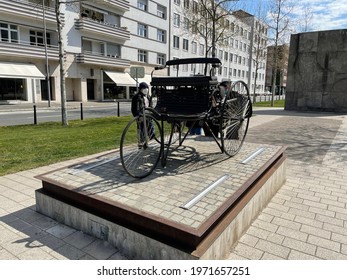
(326, 14)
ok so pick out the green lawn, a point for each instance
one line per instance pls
(29, 146)
(278, 103)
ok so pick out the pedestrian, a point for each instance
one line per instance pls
(139, 102)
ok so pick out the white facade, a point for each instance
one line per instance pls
(237, 53)
(102, 40)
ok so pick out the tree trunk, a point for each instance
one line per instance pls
(61, 64)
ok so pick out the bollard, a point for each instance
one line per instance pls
(35, 116)
(118, 113)
(81, 111)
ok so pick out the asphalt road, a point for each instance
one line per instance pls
(26, 116)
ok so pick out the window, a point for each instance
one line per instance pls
(161, 11)
(8, 33)
(177, 2)
(234, 72)
(225, 71)
(161, 59)
(220, 55)
(185, 23)
(176, 42)
(142, 55)
(161, 35)
(201, 49)
(185, 44)
(195, 7)
(186, 4)
(232, 42)
(194, 47)
(226, 56)
(36, 38)
(142, 4)
(236, 44)
(185, 67)
(176, 20)
(142, 30)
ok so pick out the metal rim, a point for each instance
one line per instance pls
(235, 116)
(140, 153)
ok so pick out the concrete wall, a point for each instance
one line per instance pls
(317, 72)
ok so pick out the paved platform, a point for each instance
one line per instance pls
(306, 219)
(157, 206)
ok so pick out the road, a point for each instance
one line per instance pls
(26, 116)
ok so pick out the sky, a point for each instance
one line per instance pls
(326, 14)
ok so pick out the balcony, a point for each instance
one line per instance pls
(102, 60)
(101, 28)
(28, 51)
(120, 4)
(30, 11)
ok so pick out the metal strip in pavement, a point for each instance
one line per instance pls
(197, 198)
(257, 152)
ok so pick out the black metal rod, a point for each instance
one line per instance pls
(35, 116)
(118, 111)
(81, 111)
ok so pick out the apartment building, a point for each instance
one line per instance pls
(242, 50)
(102, 40)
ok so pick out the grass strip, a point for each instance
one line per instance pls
(29, 146)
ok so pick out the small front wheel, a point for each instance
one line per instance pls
(140, 149)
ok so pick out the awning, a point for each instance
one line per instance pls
(121, 79)
(19, 70)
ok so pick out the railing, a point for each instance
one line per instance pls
(25, 49)
(28, 10)
(100, 59)
(96, 27)
(121, 4)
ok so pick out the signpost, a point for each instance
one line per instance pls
(137, 72)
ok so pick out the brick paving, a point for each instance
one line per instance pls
(306, 219)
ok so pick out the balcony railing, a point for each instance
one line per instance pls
(101, 28)
(120, 4)
(27, 50)
(102, 60)
(28, 10)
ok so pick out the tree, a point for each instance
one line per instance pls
(209, 21)
(280, 20)
(61, 64)
(258, 47)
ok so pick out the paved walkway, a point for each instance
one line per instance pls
(306, 219)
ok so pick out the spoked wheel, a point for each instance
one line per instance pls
(140, 147)
(236, 111)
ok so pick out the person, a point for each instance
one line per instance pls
(140, 99)
(139, 102)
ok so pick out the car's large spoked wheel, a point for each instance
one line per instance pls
(140, 149)
(236, 111)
